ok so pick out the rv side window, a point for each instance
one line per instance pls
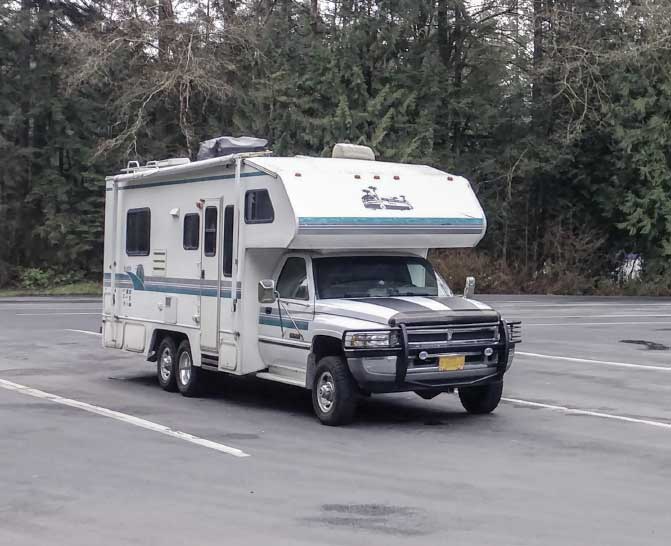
(138, 232)
(258, 207)
(228, 240)
(293, 281)
(191, 238)
(210, 243)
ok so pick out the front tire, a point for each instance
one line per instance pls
(189, 378)
(165, 364)
(483, 399)
(334, 393)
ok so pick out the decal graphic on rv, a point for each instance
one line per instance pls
(371, 200)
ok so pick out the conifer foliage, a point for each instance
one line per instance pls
(557, 110)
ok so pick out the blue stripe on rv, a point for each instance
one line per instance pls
(184, 181)
(274, 320)
(172, 287)
(374, 221)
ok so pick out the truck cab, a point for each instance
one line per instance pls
(351, 324)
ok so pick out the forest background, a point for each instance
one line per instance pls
(558, 111)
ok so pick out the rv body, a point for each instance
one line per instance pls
(306, 271)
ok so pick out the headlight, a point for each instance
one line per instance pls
(372, 340)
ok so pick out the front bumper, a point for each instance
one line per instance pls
(401, 370)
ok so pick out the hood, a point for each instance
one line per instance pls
(412, 310)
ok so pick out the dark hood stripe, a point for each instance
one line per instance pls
(455, 303)
(402, 306)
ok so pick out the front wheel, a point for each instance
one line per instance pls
(483, 399)
(189, 378)
(334, 394)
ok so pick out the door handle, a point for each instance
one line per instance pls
(268, 310)
(202, 274)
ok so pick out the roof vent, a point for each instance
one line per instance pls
(353, 151)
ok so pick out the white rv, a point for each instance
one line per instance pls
(306, 271)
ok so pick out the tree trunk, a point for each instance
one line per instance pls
(229, 8)
(444, 37)
(314, 15)
(166, 16)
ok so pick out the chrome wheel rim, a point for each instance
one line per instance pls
(166, 365)
(184, 368)
(325, 392)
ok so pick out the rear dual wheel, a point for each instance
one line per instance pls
(189, 378)
(165, 364)
(175, 369)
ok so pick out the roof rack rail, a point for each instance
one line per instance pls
(163, 163)
(134, 166)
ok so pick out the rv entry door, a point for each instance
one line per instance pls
(210, 277)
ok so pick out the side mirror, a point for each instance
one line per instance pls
(469, 289)
(267, 291)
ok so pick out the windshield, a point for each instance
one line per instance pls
(376, 276)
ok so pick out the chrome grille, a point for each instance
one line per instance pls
(450, 336)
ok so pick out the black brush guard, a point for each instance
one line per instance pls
(510, 334)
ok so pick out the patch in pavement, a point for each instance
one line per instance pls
(26, 372)
(379, 518)
(649, 345)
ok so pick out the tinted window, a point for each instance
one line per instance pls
(191, 238)
(375, 276)
(229, 215)
(138, 232)
(258, 207)
(210, 243)
(293, 281)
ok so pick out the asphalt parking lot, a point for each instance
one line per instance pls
(578, 453)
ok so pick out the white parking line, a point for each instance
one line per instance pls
(629, 315)
(124, 417)
(600, 362)
(83, 332)
(526, 324)
(52, 314)
(595, 304)
(573, 411)
(50, 308)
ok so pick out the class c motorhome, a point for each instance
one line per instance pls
(302, 270)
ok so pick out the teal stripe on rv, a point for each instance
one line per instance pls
(185, 181)
(270, 320)
(190, 287)
(374, 221)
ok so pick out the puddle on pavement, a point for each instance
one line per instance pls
(381, 518)
(649, 345)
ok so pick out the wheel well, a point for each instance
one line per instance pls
(321, 346)
(158, 336)
(326, 346)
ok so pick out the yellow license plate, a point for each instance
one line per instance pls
(451, 363)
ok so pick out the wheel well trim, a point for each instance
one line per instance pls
(332, 337)
(178, 335)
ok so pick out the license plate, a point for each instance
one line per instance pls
(451, 363)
